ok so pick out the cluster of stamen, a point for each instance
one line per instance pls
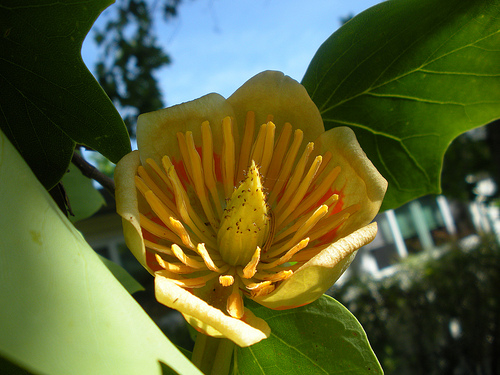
(253, 224)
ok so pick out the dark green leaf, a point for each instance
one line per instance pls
(409, 76)
(320, 338)
(49, 100)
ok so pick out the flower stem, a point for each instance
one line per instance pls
(223, 358)
(199, 349)
(212, 355)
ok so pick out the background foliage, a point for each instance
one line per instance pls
(438, 314)
(131, 56)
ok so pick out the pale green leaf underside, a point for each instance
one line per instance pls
(320, 338)
(409, 76)
(127, 281)
(62, 311)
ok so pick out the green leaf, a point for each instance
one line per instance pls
(408, 76)
(83, 197)
(127, 281)
(320, 338)
(7, 367)
(49, 100)
(62, 311)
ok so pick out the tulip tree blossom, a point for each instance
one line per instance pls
(245, 197)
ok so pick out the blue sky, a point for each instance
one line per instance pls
(216, 45)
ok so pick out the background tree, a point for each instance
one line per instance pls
(438, 314)
(130, 56)
(472, 157)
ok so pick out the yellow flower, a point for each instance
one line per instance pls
(227, 199)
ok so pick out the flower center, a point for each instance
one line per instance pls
(245, 224)
(282, 213)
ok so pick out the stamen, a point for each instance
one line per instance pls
(199, 183)
(333, 222)
(188, 261)
(251, 268)
(316, 193)
(300, 193)
(202, 250)
(272, 232)
(258, 146)
(292, 268)
(187, 213)
(295, 179)
(160, 173)
(274, 277)
(158, 207)
(157, 247)
(278, 155)
(285, 258)
(156, 229)
(332, 201)
(181, 140)
(301, 232)
(152, 185)
(178, 268)
(321, 210)
(306, 255)
(267, 152)
(235, 306)
(226, 280)
(208, 165)
(260, 289)
(246, 145)
(228, 156)
(179, 229)
(196, 282)
(287, 165)
(327, 156)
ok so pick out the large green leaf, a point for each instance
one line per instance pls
(130, 284)
(62, 311)
(49, 100)
(320, 338)
(409, 76)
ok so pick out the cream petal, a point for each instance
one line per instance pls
(268, 93)
(314, 278)
(359, 181)
(127, 205)
(273, 93)
(156, 131)
(243, 333)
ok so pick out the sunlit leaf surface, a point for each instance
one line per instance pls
(408, 76)
(62, 311)
(320, 338)
(49, 100)
(128, 282)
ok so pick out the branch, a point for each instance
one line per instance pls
(93, 173)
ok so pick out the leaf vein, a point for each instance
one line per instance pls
(373, 87)
(298, 351)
